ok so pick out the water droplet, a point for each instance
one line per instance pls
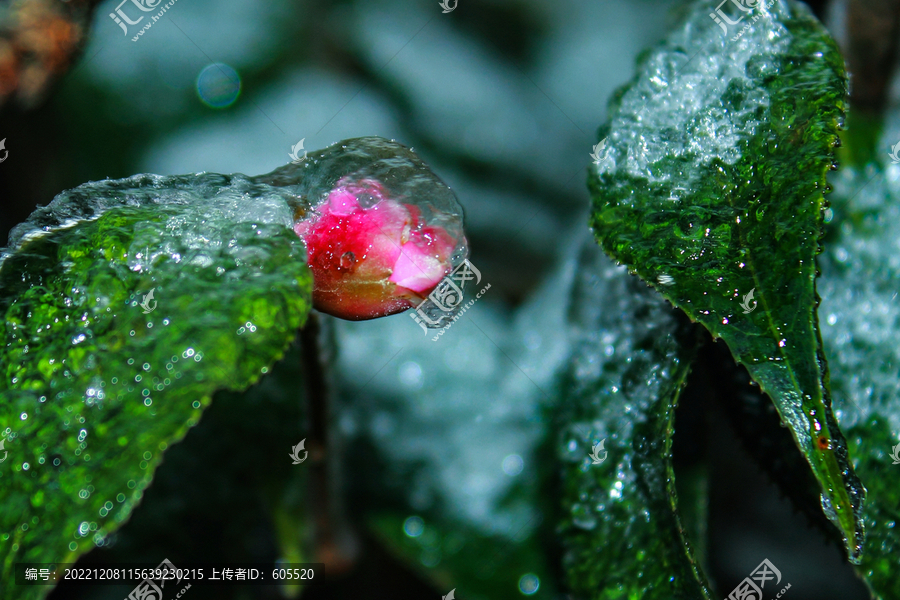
(665, 279)
(348, 259)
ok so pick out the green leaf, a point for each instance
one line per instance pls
(861, 328)
(711, 189)
(620, 528)
(212, 495)
(95, 387)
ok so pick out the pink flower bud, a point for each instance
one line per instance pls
(372, 256)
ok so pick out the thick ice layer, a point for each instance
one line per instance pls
(405, 177)
(215, 201)
(695, 99)
(381, 229)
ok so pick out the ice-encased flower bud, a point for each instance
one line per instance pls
(381, 230)
(372, 258)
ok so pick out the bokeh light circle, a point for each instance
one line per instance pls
(413, 526)
(218, 85)
(529, 584)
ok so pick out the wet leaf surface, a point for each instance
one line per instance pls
(711, 189)
(99, 377)
(620, 528)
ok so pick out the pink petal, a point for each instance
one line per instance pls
(341, 202)
(423, 260)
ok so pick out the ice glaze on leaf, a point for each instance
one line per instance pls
(97, 379)
(711, 188)
(620, 528)
(860, 329)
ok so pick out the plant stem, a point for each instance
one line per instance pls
(334, 542)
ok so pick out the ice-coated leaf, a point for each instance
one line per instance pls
(97, 377)
(198, 495)
(711, 189)
(620, 528)
(860, 329)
